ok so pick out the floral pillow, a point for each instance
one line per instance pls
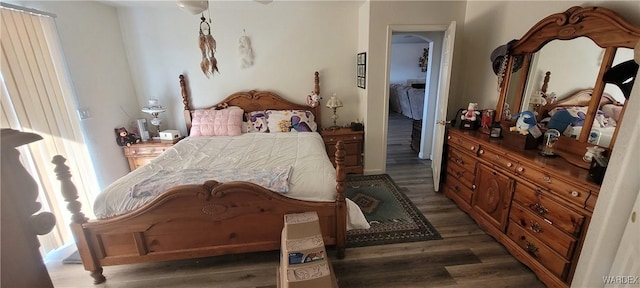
(291, 120)
(256, 122)
(213, 122)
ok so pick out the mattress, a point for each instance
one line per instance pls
(312, 175)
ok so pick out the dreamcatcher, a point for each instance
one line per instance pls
(209, 64)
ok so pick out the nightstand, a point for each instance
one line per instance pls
(353, 143)
(143, 152)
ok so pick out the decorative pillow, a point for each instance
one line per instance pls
(212, 122)
(291, 120)
(256, 122)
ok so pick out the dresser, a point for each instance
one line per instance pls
(141, 153)
(539, 208)
(353, 144)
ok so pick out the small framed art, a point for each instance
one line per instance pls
(361, 77)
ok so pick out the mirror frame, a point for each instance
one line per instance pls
(603, 26)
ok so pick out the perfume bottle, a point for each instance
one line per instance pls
(550, 139)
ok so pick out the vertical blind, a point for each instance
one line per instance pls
(37, 97)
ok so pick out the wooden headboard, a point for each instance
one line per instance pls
(254, 101)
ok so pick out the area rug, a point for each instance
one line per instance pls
(392, 216)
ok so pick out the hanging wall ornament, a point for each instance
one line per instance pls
(245, 51)
(209, 63)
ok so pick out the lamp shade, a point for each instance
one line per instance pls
(334, 102)
(193, 6)
(153, 107)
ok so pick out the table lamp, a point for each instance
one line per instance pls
(154, 109)
(334, 103)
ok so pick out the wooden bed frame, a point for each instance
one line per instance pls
(193, 221)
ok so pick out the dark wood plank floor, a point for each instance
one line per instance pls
(465, 257)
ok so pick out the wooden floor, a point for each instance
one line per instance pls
(465, 257)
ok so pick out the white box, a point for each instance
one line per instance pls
(169, 134)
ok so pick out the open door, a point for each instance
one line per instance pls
(441, 106)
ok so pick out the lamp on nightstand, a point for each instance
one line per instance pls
(154, 109)
(334, 103)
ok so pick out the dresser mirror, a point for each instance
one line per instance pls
(566, 56)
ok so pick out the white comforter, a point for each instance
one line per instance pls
(312, 175)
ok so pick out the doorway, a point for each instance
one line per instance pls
(414, 57)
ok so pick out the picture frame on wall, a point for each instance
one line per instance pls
(361, 70)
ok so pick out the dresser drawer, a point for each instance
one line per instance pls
(497, 159)
(144, 151)
(545, 205)
(548, 180)
(545, 232)
(346, 138)
(466, 177)
(459, 189)
(462, 159)
(538, 250)
(463, 143)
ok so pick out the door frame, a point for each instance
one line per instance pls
(385, 119)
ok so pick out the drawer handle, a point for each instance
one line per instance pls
(496, 157)
(134, 152)
(532, 249)
(355, 137)
(481, 151)
(457, 189)
(458, 174)
(473, 148)
(575, 193)
(509, 164)
(459, 161)
(547, 179)
(448, 137)
(541, 210)
(520, 169)
(473, 186)
(535, 227)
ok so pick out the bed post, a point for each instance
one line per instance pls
(341, 205)
(70, 194)
(185, 101)
(316, 89)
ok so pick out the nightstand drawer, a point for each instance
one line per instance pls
(350, 148)
(144, 151)
(346, 138)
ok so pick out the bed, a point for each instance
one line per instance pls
(568, 115)
(210, 218)
(407, 100)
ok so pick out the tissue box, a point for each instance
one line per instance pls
(169, 134)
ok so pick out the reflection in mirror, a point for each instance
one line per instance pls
(610, 107)
(574, 66)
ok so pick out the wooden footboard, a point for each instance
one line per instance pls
(193, 221)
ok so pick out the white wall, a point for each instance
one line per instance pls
(290, 40)
(383, 14)
(97, 63)
(404, 62)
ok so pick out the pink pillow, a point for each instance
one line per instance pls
(212, 122)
